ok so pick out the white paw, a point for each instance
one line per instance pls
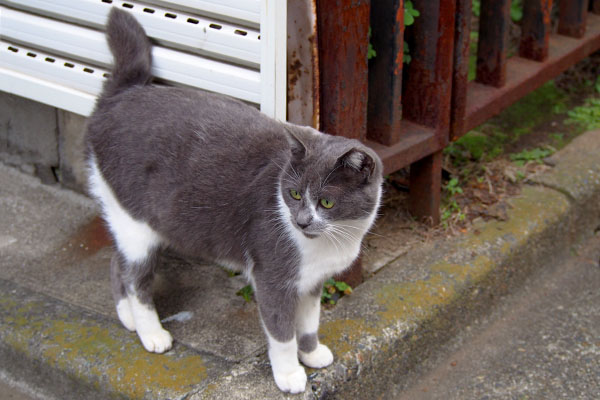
(125, 314)
(318, 358)
(293, 382)
(156, 341)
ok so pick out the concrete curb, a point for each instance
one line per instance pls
(390, 323)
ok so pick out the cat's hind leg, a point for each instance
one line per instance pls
(133, 296)
(132, 268)
(120, 293)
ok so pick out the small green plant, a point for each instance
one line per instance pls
(452, 187)
(451, 209)
(533, 155)
(333, 290)
(586, 116)
(410, 13)
(246, 292)
(475, 145)
(371, 53)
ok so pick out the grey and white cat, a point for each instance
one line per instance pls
(210, 176)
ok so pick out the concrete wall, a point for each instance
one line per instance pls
(42, 141)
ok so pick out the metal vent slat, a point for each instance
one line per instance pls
(51, 67)
(243, 11)
(193, 33)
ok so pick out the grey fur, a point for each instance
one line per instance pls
(203, 170)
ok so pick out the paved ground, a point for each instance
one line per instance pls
(541, 343)
(59, 331)
(10, 391)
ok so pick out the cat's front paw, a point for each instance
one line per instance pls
(156, 341)
(292, 382)
(320, 357)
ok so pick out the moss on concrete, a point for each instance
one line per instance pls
(101, 355)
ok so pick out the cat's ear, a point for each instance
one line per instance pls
(294, 139)
(359, 161)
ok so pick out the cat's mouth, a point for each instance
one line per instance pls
(310, 235)
(307, 232)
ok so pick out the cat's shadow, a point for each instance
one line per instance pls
(199, 303)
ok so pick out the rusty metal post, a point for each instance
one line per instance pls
(493, 42)
(426, 187)
(343, 28)
(572, 17)
(429, 78)
(385, 72)
(535, 30)
(595, 6)
(427, 95)
(460, 76)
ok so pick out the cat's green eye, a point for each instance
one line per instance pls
(295, 194)
(326, 203)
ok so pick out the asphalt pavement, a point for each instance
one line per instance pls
(543, 342)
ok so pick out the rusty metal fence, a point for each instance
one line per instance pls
(409, 112)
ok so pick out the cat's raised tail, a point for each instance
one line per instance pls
(132, 52)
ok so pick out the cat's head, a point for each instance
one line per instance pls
(331, 185)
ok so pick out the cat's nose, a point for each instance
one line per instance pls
(303, 225)
(303, 219)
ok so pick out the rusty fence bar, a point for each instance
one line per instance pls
(572, 17)
(385, 72)
(493, 42)
(460, 74)
(535, 30)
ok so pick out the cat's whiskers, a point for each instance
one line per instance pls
(344, 234)
(348, 236)
(368, 232)
(331, 238)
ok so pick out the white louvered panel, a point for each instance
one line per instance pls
(90, 45)
(245, 11)
(47, 92)
(52, 68)
(54, 36)
(189, 32)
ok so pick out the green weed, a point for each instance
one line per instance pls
(450, 208)
(587, 116)
(246, 292)
(474, 146)
(333, 290)
(533, 155)
(410, 13)
(371, 53)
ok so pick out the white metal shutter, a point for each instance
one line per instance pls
(55, 52)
